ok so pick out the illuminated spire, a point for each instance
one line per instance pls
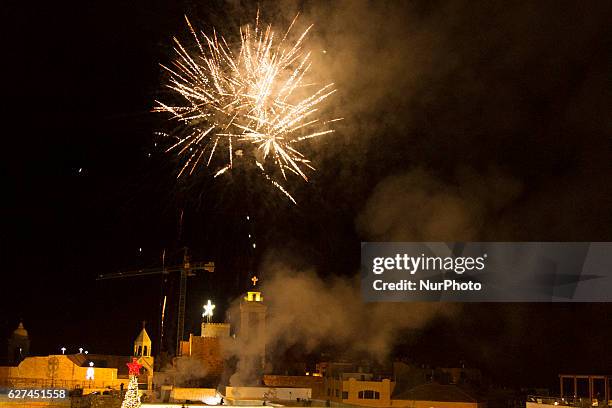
(20, 331)
(254, 295)
(142, 344)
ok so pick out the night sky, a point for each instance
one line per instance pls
(463, 121)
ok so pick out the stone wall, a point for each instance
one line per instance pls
(216, 330)
(57, 371)
(297, 381)
(208, 350)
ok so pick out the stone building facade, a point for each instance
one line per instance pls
(89, 372)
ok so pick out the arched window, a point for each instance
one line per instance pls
(139, 351)
(145, 351)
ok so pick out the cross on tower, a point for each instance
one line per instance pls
(254, 280)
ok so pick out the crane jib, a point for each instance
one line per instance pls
(195, 266)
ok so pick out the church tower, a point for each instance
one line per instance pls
(142, 344)
(18, 345)
(252, 330)
(142, 351)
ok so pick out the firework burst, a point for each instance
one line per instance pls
(253, 103)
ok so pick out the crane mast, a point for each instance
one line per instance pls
(186, 269)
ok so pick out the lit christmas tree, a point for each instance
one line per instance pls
(131, 399)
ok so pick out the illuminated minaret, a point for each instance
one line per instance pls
(252, 329)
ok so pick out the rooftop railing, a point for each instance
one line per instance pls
(582, 402)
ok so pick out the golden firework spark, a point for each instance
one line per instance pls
(253, 103)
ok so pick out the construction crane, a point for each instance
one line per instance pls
(186, 269)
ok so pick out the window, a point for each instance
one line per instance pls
(139, 351)
(344, 394)
(369, 394)
(328, 392)
(145, 351)
(337, 393)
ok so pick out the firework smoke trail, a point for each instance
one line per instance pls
(245, 103)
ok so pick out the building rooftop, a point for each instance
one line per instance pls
(436, 392)
(143, 337)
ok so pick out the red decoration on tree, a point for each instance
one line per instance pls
(134, 367)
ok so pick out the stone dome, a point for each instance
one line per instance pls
(20, 331)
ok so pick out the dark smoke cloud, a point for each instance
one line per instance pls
(182, 372)
(308, 311)
(416, 206)
(311, 310)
